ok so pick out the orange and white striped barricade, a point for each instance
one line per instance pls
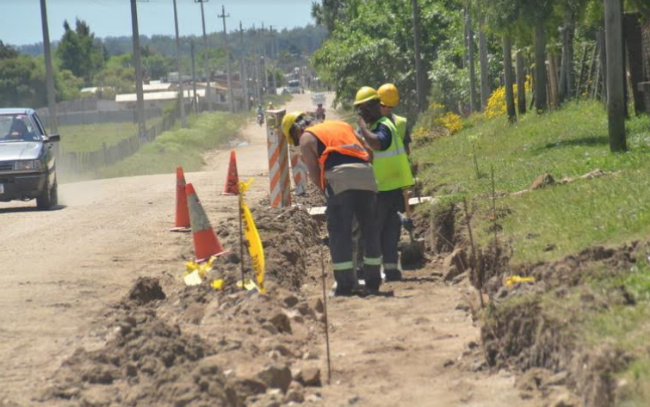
(278, 149)
(299, 172)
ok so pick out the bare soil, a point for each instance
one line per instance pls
(95, 312)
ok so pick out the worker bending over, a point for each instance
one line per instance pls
(339, 164)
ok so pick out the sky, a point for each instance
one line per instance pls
(20, 20)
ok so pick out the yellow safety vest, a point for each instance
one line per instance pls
(400, 125)
(391, 166)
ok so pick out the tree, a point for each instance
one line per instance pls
(22, 81)
(376, 46)
(330, 12)
(78, 52)
(7, 52)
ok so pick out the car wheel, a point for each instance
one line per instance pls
(49, 198)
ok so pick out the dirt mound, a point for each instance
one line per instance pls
(312, 198)
(145, 290)
(289, 236)
(148, 362)
(531, 326)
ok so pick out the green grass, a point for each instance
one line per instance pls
(179, 147)
(566, 143)
(90, 137)
(609, 210)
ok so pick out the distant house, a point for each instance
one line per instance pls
(161, 98)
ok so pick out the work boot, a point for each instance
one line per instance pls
(346, 283)
(373, 278)
(392, 275)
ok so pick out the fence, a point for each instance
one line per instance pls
(88, 162)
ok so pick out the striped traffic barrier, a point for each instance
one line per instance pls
(299, 171)
(278, 150)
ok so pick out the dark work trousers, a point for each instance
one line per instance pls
(389, 226)
(341, 208)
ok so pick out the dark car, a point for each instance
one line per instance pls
(27, 167)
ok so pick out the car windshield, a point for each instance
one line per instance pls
(16, 127)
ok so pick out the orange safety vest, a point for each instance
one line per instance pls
(338, 137)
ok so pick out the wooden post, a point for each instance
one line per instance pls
(521, 83)
(552, 81)
(473, 103)
(603, 63)
(507, 68)
(483, 62)
(419, 70)
(540, 67)
(634, 47)
(615, 75)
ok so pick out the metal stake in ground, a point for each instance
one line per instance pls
(327, 330)
(241, 242)
(474, 259)
(494, 209)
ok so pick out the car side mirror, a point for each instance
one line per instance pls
(52, 138)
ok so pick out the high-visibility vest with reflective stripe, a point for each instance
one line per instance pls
(337, 137)
(391, 166)
(400, 125)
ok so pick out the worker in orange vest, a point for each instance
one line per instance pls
(338, 162)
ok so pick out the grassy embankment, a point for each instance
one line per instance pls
(184, 147)
(549, 223)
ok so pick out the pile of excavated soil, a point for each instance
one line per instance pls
(290, 238)
(523, 332)
(172, 345)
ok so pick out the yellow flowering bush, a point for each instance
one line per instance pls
(496, 105)
(436, 122)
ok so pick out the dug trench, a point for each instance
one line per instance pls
(532, 328)
(165, 344)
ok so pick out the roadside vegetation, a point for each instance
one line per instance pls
(184, 147)
(560, 219)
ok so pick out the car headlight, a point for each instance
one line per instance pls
(28, 165)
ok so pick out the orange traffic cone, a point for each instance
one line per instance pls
(182, 222)
(206, 242)
(232, 180)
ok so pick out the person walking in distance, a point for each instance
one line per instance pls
(392, 172)
(389, 99)
(338, 162)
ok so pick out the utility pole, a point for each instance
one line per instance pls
(208, 96)
(264, 73)
(256, 55)
(178, 68)
(419, 79)
(139, 105)
(196, 100)
(244, 71)
(49, 73)
(615, 75)
(231, 100)
(274, 57)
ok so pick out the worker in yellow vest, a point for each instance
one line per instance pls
(338, 162)
(392, 172)
(389, 98)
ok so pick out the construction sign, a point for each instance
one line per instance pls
(255, 248)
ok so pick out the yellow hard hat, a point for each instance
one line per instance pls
(288, 121)
(365, 94)
(388, 94)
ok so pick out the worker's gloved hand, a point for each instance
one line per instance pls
(407, 223)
